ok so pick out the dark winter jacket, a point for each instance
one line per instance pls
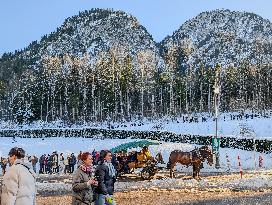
(50, 160)
(105, 181)
(114, 162)
(82, 191)
(41, 160)
(73, 160)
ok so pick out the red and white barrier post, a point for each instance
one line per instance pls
(261, 161)
(240, 166)
(228, 162)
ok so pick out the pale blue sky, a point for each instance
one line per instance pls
(23, 21)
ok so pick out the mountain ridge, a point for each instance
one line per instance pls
(103, 64)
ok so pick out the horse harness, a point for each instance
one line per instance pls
(197, 154)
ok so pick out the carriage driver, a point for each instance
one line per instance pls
(146, 152)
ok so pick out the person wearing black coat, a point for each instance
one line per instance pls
(42, 165)
(106, 176)
(72, 163)
(114, 161)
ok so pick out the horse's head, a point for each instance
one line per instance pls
(206, 153)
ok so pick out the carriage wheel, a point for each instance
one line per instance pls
(146, 174)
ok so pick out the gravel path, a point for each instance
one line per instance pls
(214, 189)
(175, 198)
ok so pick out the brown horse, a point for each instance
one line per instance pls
(194, 158)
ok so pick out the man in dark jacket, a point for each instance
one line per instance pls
(42, 165)
(50, 163)
(72, 163)
(114, 161)
(106, 177)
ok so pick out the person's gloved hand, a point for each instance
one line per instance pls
(109, 199)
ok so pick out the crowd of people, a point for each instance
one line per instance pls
(197, 119)
(57, 163)
(91, 184)
(54, 163)
(94, 174)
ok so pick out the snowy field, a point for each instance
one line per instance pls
(74, 145)
(259, 126)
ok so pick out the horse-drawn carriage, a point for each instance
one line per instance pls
(129, 162)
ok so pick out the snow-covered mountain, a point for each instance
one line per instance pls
(214, 37)
(89, 33)
(221, 37)
(95, 31)
(103, 64)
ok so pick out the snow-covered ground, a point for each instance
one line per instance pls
(65, 145)
(259, 126)
(251, 183)
(218, 184)
(69, 145)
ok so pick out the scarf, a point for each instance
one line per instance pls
(86, 169)
(112, 171)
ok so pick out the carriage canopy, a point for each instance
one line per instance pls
(135, 144)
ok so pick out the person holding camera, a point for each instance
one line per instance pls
(84, 182)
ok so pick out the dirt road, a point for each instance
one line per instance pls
(214, 189)
(179, 197)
